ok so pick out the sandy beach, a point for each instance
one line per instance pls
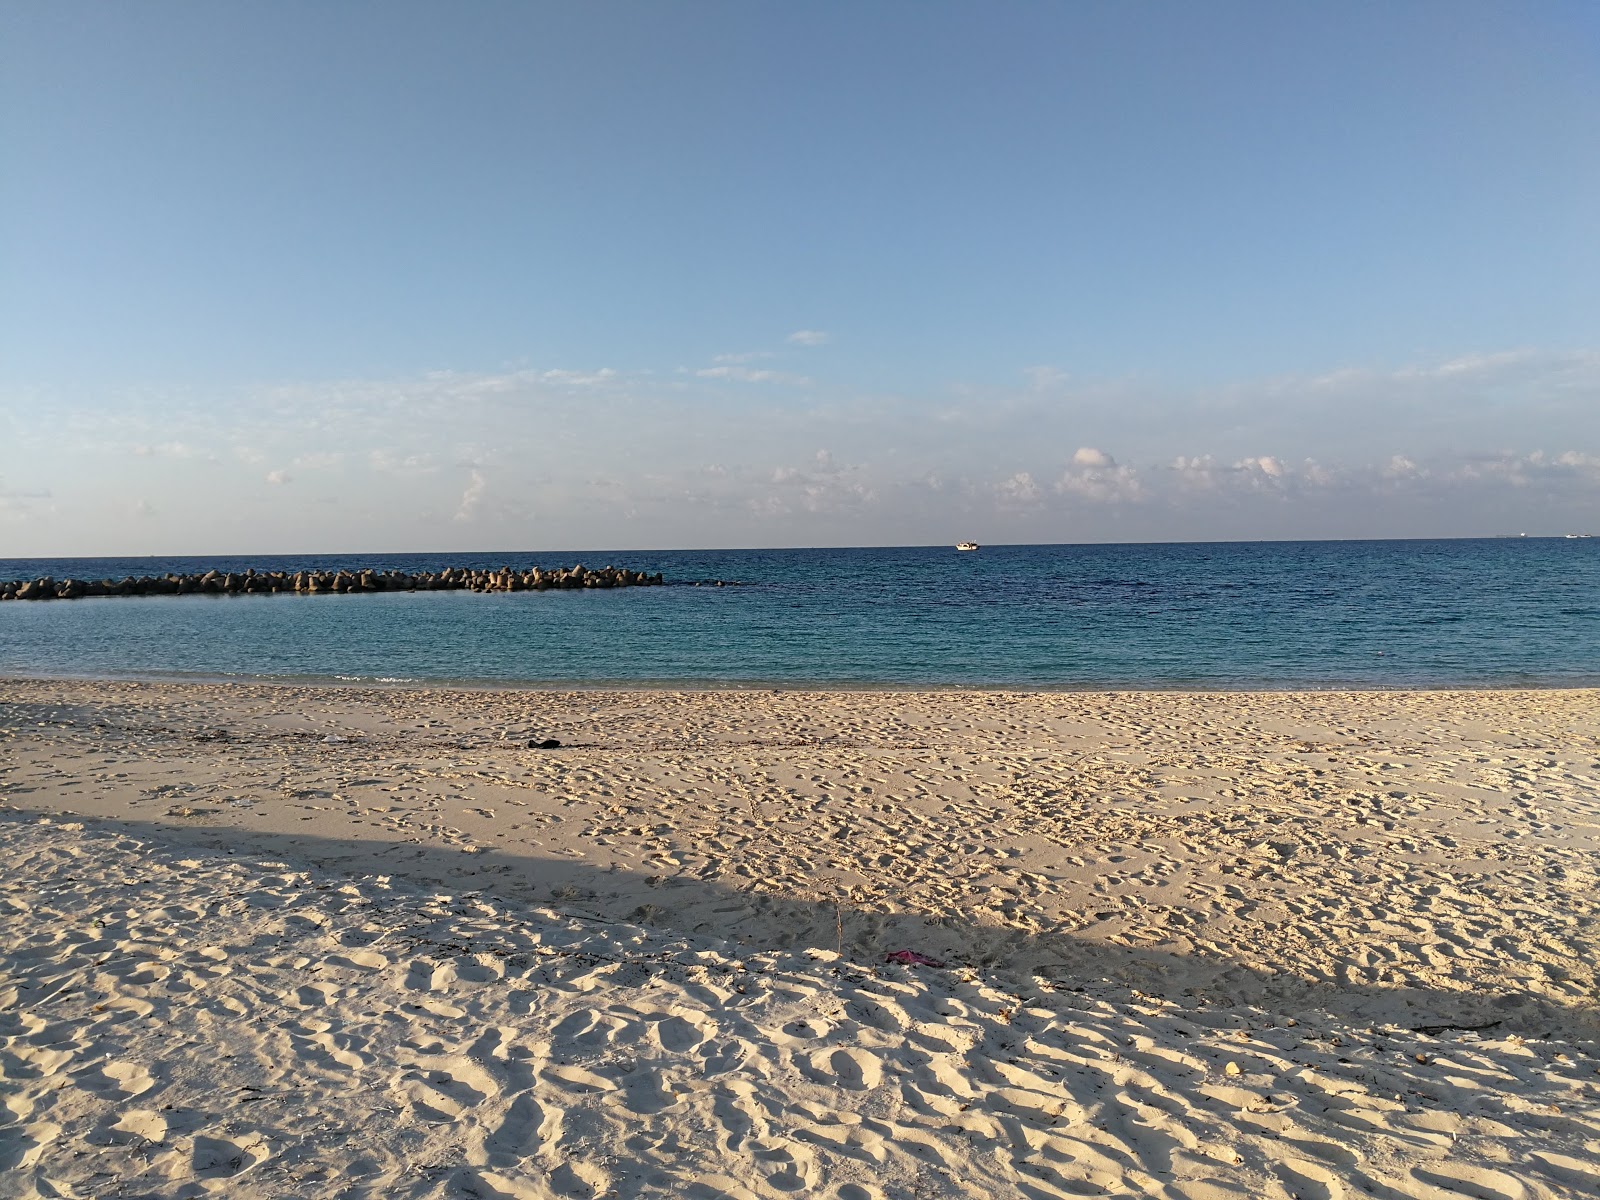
(306, 941)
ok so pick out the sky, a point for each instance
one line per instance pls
(313, 277)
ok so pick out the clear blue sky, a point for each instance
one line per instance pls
(416, 276)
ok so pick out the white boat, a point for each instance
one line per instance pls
(966, 545)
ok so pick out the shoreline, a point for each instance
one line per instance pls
(817, 687)
(1189, 943)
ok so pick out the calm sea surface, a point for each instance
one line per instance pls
(1499, 612)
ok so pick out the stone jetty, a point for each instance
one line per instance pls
(238, 583)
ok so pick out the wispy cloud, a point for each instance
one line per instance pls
(319, 460)
(179, 450)
(808, 337)
(751, 375)
(394, 462)
(1525, 470)
(1044, 378)
(578, 379)
(821, 486)
(17, 504)
(1471, 443)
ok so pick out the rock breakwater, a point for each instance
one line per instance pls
(250, 582)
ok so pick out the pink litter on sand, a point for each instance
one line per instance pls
(911, 959)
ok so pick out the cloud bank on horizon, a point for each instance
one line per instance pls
(604, 458)
(622, 276)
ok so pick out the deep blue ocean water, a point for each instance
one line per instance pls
(1501, 612)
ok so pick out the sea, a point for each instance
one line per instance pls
(1502, 612)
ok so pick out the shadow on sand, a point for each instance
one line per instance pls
(746, 921)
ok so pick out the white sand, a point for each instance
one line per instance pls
(1199, 945)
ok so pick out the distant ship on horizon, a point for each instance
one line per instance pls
(966, 545)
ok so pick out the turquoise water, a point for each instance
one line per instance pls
(1499, 612)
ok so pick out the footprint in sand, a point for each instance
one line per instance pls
(22, 1148)
(1577, 1172)
(577, 1079)
(1309, 1181)
(310, 995)
(719, 1187)
(328, 1049)
(647, 1091)
(437, 1096)
(579, 1179)
(679, 1035)
(846, 1067)
(481, 970)
(491, 1186)
(40, 1063)
(585, 1028)
(359, 960)
(125, 1079)
(140, 1124)
(1461, 1179)
(524, 1128)
(793, 1168)
(425, 976)
(222, 1158)
(144, 974)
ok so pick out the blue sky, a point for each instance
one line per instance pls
(423, 276)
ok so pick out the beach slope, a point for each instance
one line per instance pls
(284, 941)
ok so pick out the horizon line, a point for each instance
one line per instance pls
(749, 549)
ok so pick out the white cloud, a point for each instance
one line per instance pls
(747, 356)
(1258, 473)
(1522, 470)
(472, 497)
(278, 477)
(1095, 476)
(808, 337)
(1112, 485)
(1020, 491)
(1400, 467)
(1263, 465)
(825, 488)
